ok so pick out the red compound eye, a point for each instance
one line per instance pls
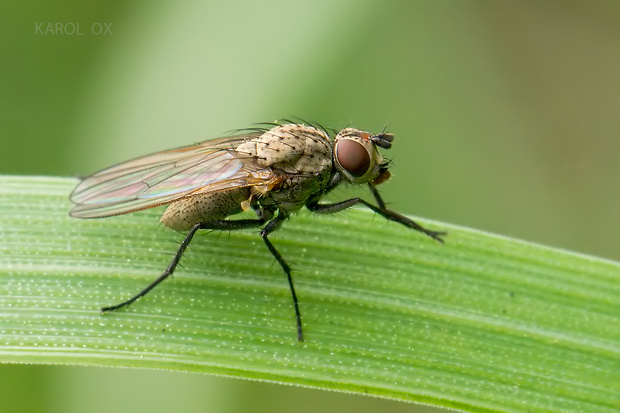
(353, 157)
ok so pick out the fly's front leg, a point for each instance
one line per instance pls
(219, 224)
(381, 209)
(401, 219)
(268, 229)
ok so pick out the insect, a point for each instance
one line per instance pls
(274, 170)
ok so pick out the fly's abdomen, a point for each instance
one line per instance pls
(183, 214)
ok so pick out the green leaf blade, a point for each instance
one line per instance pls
(482, 323)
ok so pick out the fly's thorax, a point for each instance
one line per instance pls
(290, 148)
(357, 158)
(183, 214)
(296, 189)
(299, 156)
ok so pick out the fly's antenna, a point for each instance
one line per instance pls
(383, 140)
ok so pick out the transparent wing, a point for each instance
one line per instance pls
(164, 177)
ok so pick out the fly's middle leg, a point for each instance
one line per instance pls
(268, 229)
(218, 224)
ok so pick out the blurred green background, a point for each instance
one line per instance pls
(506, 117)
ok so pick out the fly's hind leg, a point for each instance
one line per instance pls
(230, 225)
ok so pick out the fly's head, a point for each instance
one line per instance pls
(357, 158)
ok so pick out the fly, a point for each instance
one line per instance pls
(274, 171)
